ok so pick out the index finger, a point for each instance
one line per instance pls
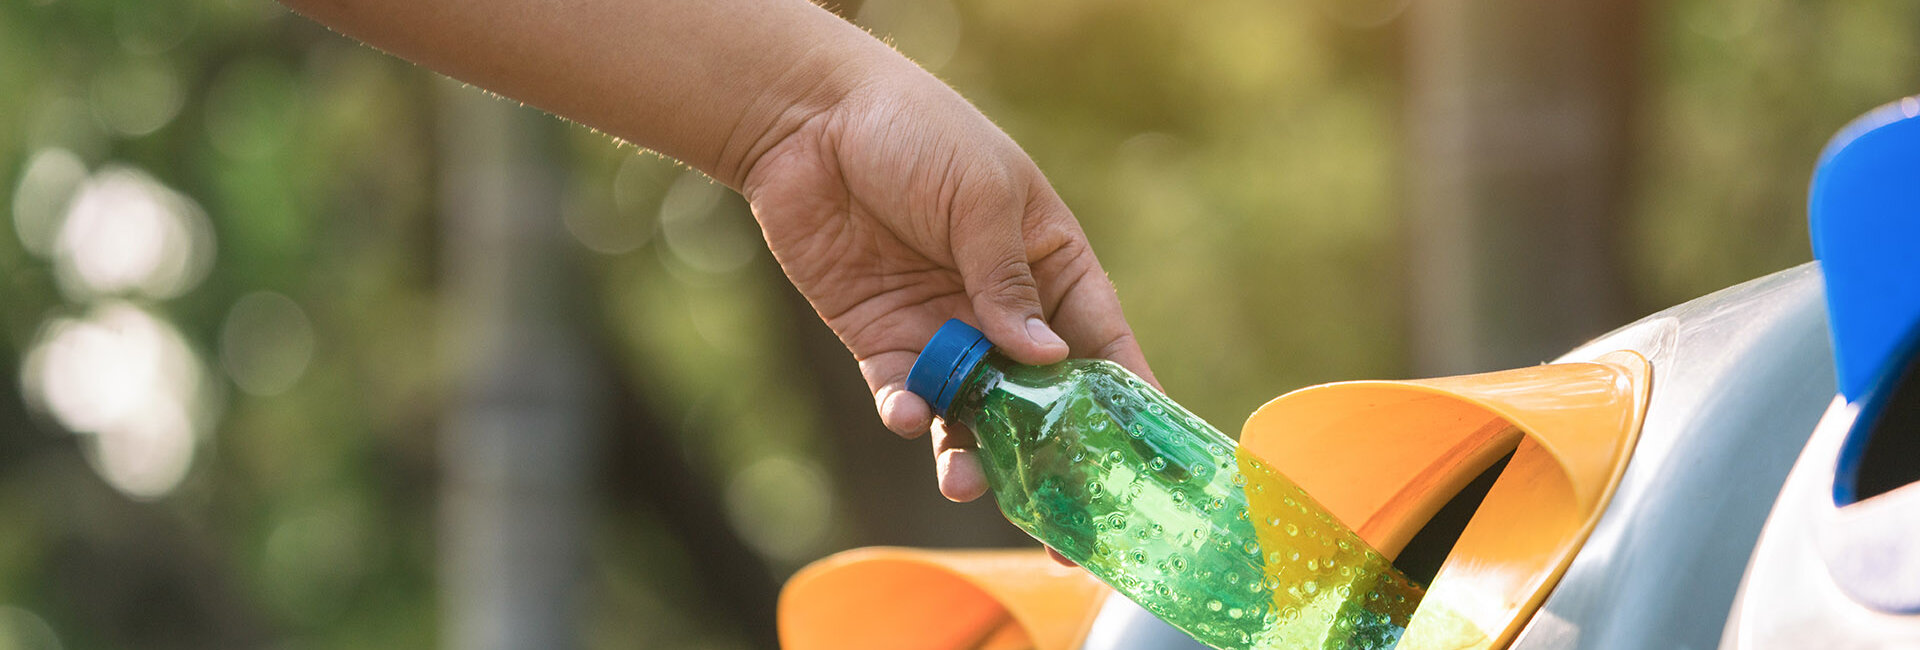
(1085, 310)
(1089, 319)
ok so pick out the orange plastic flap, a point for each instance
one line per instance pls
(906, 599)
(1383, 456)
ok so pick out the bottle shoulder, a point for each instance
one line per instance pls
(1111, 371)
(1011, 385)
(1080, 369)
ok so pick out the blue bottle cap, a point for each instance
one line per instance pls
(945, 362)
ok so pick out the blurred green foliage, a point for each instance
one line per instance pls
(1236, 163)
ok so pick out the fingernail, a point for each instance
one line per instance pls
(891, 416)
(1038, 331)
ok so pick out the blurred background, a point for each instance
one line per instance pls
(306, 347)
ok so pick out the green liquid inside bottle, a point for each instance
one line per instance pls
(1089, 459)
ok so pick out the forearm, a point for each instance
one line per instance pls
(712, 83)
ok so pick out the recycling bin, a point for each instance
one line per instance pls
(1641, 468)
(1838, 563)
(1740, 377)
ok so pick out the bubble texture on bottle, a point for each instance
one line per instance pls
(1089, 459)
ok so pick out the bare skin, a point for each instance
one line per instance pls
(889, 201)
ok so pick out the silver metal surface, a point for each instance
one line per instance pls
(1123, 625)
(1740, 378)
(1790, 599)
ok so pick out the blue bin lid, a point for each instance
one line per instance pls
(1864, 209)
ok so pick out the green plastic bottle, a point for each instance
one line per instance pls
(1092, 461)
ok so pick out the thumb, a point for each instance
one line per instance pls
(1005, 298)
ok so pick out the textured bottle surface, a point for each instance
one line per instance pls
(1086, 457)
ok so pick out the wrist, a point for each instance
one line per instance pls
(810, 87)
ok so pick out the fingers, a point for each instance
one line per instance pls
(961, 478)
(886, 348)
(957, 463)
(1087, 311)
(1124, 349)
(904, 413)
(990, 251)
(956, 460)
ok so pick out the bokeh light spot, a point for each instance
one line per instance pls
(145, 457)
(153, 27)
(266, 343)
(782, 506)
(129, 381)
(637, 191)
(138, 97)
(125, 232)
(316, 557)
(45, 188)
(23, 630)
(699, 229)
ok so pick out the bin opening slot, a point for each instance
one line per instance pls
(1884, 455)
(1421, 558)
(1495, 478)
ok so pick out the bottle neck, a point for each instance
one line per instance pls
(986, 375)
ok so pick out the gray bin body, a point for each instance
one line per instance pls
(1740, 377)
(1794, 596)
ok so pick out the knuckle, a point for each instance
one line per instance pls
(982, 193)
(1118, 345)
(1011, 286)
(1068, 257)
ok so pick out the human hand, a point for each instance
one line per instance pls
(900, 207)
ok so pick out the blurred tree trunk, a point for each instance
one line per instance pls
(1519, 123)
(515, 448)
(648, 471)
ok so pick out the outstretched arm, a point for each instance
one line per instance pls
(710, 82)
(889, 201)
